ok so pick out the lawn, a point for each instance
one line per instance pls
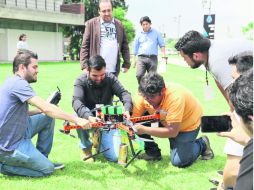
(102, 174)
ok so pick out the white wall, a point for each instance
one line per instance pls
(48, 45)
(3, 45)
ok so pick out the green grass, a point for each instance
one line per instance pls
(105, 175)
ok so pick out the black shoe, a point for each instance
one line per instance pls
(214, 181)
(148, 157)
(213, 189)
(220, 172)
(58, 166)
(208, 153)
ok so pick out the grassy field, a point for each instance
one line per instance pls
(110, 176)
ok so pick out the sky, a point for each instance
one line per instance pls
(176, 17)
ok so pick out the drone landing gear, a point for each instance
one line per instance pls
(134, 154)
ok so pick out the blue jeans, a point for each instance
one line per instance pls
(109, 139)
(185, 148)
(27, 160)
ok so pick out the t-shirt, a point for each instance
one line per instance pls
(245, 177)
(22, 45)
(14, 94)
(219, 52)
(178, 105)
(109, 46)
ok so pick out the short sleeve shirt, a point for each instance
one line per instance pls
(177, 106)
(219, 53)
(14, 94)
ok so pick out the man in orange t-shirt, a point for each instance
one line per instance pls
(180, 115)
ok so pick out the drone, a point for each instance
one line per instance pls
(112, 117)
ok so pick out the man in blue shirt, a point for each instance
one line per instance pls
(146, 47)
(18, 156)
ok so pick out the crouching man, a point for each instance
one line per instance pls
(18, 156)
(180, 119)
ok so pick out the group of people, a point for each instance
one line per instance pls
(104, 41)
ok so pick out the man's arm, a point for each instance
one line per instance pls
(169, 131)
(55, 112)
(125, 51)
(85, 47)
(224, 93)
(78, 98)
(120, 92)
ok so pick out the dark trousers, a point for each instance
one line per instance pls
(184, 148)
(148, 64)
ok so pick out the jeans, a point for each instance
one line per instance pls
(109, 139)
(28, 160)
(185, 148)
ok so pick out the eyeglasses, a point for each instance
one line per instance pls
(150, 96)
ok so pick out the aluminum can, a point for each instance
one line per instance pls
(123, 154)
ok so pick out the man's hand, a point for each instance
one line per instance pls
(134, 61)
(93, 119)
(85, 70)
(237, 133)
(140, 129)
(124, 70)
(126, 115)
(84, 123)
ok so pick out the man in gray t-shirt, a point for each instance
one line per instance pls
(198, 50)
(18, 125)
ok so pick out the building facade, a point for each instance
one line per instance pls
(41, 21)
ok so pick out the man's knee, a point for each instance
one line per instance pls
(180, 163)
(48, 169)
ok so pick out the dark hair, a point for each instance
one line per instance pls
(241, 96)
(145, 18)
(151, 84)
(96, 62)
(21, 36)
(193, 42)
(243, 61)
(106, 1)
(23, 57)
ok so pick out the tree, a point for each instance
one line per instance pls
(75, 33)
(119, 13)
(248, 31)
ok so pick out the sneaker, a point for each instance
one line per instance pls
(148, 157)
(208, 153)
(58, 166)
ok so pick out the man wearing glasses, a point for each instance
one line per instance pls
(105, 36)
(180, 115)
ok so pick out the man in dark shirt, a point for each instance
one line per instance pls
(99, 87)
(241, 96)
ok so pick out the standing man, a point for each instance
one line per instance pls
(241, 96)
(146, 47)
(198, 50)
(105, 36)
(240, 64)
(180, 115)
(18, 156)
(98, 87)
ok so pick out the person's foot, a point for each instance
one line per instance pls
(86, 155)
(58, 166)
(214, 181)
(220, 172)
(208, 153)
(148, 157)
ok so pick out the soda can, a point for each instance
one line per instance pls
(123, 154)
